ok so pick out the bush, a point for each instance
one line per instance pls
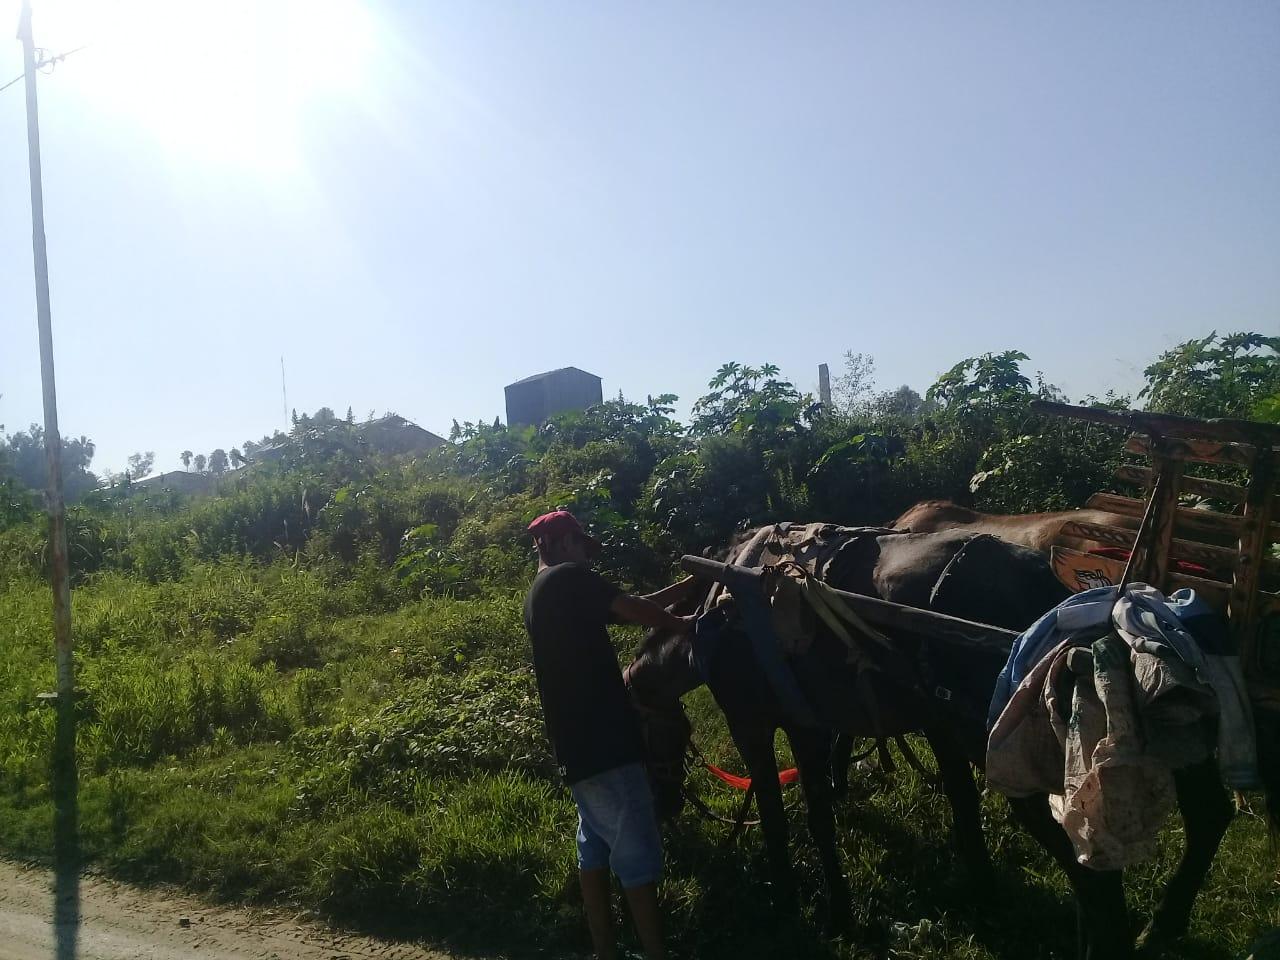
(134, 714)
(483, 720)
(1047, 470)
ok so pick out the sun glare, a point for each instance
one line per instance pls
(219, 81)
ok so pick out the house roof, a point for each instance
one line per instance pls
(395, 421)
(552, 373)
(179, 479)
(392, 421)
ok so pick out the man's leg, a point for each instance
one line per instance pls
(595, 902)
(636, 856)
(593, 868)
(643, 901)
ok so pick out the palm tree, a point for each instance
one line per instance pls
(200, 462)
(186, 459)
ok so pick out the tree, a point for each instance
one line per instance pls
(616, 420)
(186, 459)
(17, 505)
(218, 462)
(1268, 409)
(982, 384)
(903, 402)
(249, 448)
(1236, 375)
(200, 462)
(752, 401)
(751, 446)
(852, 388)
(140, 465)
(350, 416)
(621, 439)
(29, 463)
(237, 458)
(483, 449)
(1053, 464)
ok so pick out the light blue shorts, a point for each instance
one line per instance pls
(617, 827)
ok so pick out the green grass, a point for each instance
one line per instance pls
(269, 734)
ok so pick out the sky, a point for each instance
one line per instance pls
(416, 203)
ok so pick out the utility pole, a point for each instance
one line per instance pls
(65, 818)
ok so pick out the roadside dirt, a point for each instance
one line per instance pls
(121, 922)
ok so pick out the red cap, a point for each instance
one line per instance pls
(559, 523)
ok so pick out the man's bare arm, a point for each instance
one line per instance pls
(646, 613)
(673, 593)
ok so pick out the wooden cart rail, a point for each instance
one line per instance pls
(1248, 432)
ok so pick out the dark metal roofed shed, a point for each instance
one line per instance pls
(534, 399)
(553, 373)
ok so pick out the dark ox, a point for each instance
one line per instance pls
(904, 568)
(996, 583)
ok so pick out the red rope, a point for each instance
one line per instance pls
(744, 783)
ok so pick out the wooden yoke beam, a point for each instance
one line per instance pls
(890, 617)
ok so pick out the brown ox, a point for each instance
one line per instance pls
(1039, 531)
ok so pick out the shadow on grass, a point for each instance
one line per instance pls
(895, 876)
(717, 907)
(492, 908)
(721, 903)
(1009, 918)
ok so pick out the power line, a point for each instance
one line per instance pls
(44, 60)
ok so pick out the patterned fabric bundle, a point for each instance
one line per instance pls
(1102, 700)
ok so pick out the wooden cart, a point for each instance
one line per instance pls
(1226, 557)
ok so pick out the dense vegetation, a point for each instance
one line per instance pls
(313, 686)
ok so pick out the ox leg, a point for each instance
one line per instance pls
(756, 747)
(1102, 919)
(966, 804)
(841, 756)
(1206, 813)
(1108, 936)
(812, 750)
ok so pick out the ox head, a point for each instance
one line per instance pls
(661, 673)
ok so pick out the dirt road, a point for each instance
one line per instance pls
(120, 922)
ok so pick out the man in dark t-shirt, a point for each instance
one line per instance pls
(593, 729)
